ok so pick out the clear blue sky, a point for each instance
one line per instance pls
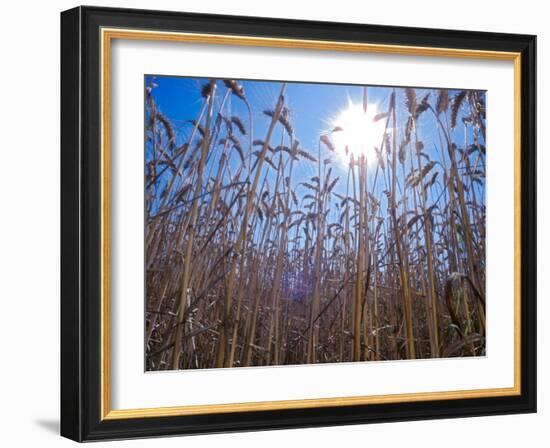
(313, 108)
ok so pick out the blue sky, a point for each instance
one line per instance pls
(313, 108)
(312, 105)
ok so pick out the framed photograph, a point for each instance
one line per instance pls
(276, 224)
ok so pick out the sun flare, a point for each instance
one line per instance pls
(357, 132)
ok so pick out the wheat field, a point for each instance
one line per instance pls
(298, 223)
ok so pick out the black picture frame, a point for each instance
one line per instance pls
(81, 224)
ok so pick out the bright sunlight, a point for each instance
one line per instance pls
(358, 133)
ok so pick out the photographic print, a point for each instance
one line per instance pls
(299, 223)
(305, 206)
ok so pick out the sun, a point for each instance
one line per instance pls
(357, 132)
